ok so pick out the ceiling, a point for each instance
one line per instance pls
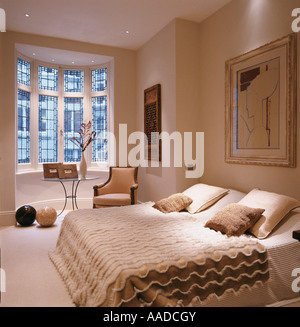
(62, 57)
(120, 23)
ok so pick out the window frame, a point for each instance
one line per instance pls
(87, 96)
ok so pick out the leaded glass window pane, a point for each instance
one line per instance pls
(23, 70)
(73, 118)
(99, 123)
(23, 127)
(48, 79)
(48, 106)
(73, 80)
(99, 80)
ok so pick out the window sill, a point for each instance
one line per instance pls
(40, 171)
(29, 171)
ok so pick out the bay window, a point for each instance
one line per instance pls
(53, 101)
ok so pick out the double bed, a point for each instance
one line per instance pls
(140, 256)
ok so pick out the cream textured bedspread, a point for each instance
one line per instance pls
(138, 256)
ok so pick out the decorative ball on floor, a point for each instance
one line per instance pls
(46, 216)
(26, 215)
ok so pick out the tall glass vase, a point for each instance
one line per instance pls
(82, 166)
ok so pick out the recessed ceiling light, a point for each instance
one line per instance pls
(53, 59)
(127, 32)
(33, 53)
(93, 61)
(26, 15)
(73, 62)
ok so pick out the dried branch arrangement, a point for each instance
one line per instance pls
(86, 136)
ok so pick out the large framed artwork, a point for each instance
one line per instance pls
(261, 105)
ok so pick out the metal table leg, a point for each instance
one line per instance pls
(75, 194)
(66, 197)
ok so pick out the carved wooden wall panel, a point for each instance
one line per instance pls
(152, 121)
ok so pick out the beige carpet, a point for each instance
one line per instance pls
(31, 278)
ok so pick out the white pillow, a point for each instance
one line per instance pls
(276, 207)
(203, 196)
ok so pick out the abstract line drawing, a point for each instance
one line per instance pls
(258, 106)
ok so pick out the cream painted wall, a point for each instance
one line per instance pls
(156, 65)
(7, 124)
(188, 73)
(196, 61)
(175, 65)
(238, 28)
(22, 189)
(6, 193)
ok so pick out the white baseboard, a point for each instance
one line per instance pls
(7, 218)
(58, 204)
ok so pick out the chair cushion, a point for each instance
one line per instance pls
(113, 199)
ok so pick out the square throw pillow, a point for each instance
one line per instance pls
(175, 202)
(203, 196)
(234, 219)
(276, 207)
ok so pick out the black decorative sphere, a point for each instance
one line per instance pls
(25, 215)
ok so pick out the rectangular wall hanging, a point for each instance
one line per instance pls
(152, 121)
(261, 105)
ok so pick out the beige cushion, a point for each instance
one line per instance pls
(175, 202)
(234, 219)
(113, 199)
(203, 196)
(276, 208)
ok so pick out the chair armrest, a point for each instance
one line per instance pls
(95, 187)
(100, 186)
(134, 187)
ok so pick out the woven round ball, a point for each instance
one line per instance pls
(46, 216)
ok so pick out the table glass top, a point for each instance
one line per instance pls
(76, 179)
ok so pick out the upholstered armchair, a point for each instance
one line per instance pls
(120, 189)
